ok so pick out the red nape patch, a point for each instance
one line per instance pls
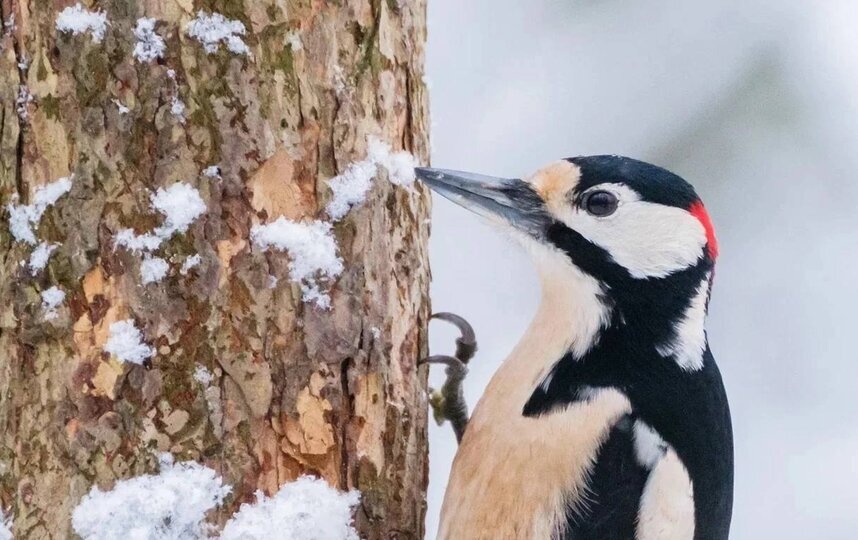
(699, 211)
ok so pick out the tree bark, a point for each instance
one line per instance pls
(297, 389)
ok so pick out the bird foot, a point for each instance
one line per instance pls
(449, 403)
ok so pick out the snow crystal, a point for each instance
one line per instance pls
(212, 30)
(349, 189)
(121, 107)
(177, 109)
(77, 20)
(306, 509)
(313, 251)
(170, 505)
(202, 375)
(293, 39)
(190, 263)
(150, 46)
(40, 256)
(272, 281)
(212, 171)
(153, 269)
(5, 526)
(125, 342)
(22, 102)
(180, 204)
(23, 217)
(51, 300)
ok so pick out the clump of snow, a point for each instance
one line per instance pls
(305, 509)
(153, 269)
(214, 29)
(180, 204)
(313, 251)
(77, 20)
(400, 165)
(170, 505)
(22, 103)
(121, 107)
(5, 526)
(212, 171)
(177, 109)
(137, 242)
(202, 375)
(51, 300)
(125, 342)
(190, 263)
(349, 189)
(376, 332)
(293, 39)
(150, 46)
(22, 218)
(177, 106)
(40, 256)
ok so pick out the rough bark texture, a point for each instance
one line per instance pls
(297, 389)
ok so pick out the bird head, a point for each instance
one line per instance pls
(637, 232)
(614, 217)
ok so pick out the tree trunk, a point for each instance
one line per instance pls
(296, 389)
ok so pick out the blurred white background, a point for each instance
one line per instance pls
(752, 101)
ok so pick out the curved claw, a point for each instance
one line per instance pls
(466, 344)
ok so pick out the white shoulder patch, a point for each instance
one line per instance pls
(689, 341)
(649, 446)
(667, 503)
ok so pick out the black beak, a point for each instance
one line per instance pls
(508, 200)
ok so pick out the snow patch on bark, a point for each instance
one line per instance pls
(125, 342)
(77, 20)
(212, 171)
(190, 263)
(40, 256)
(214, 29)
(150, 46)
(51, 300)
(313, 251)
(5, 526)
(153, 269)
(121, 107)
(22, 218)
(170, 505)
(293, 39)
(202, 375)
(180, 204)
(306, 509)
(350, 188)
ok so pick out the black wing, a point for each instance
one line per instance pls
(616, 483)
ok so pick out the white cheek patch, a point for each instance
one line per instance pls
(650, 240)
(689, 341)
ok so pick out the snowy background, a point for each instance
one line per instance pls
(754, 102)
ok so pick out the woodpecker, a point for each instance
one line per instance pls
(609, 419)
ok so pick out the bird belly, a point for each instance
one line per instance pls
(515, 477)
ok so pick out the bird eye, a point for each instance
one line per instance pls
(600, 203)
